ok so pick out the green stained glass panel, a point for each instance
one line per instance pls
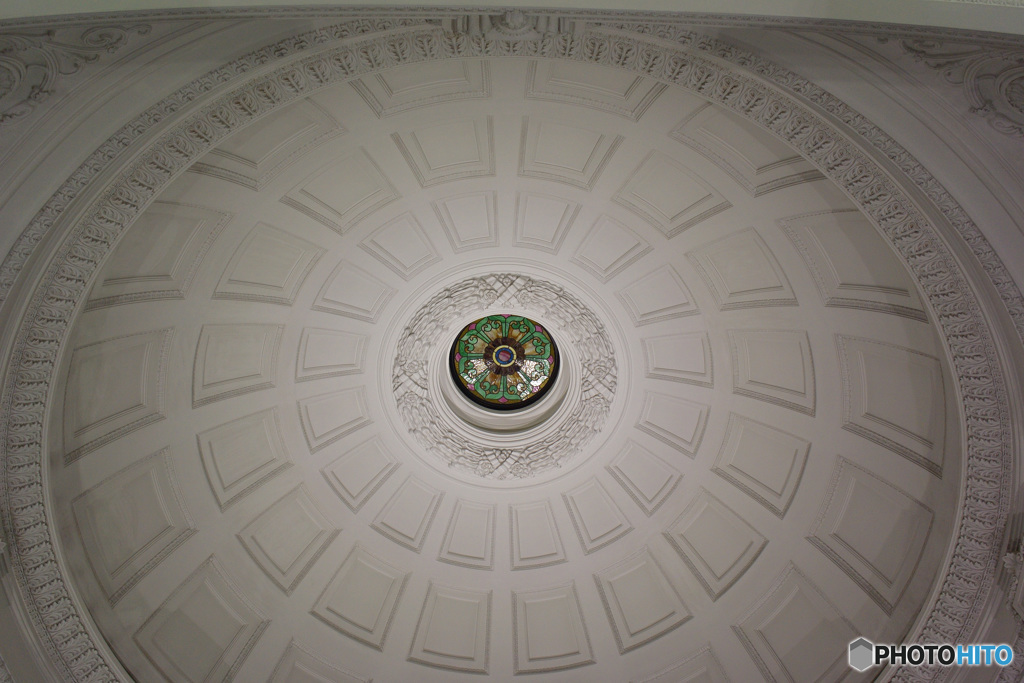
(504, 362)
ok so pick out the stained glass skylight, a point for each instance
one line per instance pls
(504, 362)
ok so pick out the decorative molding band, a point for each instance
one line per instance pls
(218, 80)
(806, 117)
(824, 102)
(970, 573)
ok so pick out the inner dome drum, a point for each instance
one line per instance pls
(504, 362)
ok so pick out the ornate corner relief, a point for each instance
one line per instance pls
(32, 62)
(992, 79)
(512, 25)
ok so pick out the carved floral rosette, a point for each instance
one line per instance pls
(427, 331)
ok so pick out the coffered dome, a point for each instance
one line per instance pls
(279, 435)
(753, 391)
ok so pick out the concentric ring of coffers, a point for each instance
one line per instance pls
(671, 369)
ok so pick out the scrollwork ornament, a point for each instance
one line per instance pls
(992, 80)
(1013, 91)
(32, 62)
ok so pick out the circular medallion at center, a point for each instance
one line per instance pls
(505, 356)
(504, 362)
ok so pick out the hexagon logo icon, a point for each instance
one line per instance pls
(861, 654)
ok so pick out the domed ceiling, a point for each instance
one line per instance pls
(749, 465)
(261, 463)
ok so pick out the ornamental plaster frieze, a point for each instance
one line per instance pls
(33, 62)
(455, 19)
(174, 104)
(51, 601)
(817, 97)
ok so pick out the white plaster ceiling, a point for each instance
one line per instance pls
(767, 469)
